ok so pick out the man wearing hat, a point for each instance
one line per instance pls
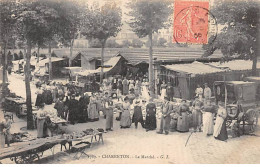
(167, 109)
(207, 92)
(5, 135)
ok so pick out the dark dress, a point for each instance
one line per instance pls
(39, 99)
(83, 109)
(150, 121)
(73, 106)
(48, 97)
(59, 106)
(223, 136)
(138, 116)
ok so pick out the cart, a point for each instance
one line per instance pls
(17, 105)
(241, 104)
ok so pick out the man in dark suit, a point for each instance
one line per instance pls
(167, 109)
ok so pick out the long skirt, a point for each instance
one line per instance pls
(173, 125)
(92, 111)
(163, 94)
(39, 100)
(40, 126)
(183, 123)
(196, 118)
(125, 89)
(2, 140)
(137, 116)
(150, 122)
(125, 119)
(165, 123)
(220, 130)
(109, 118)
(208, 123)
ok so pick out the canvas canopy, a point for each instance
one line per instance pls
(235, 65)
(195, 68)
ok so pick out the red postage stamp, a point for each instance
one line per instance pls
(191, 22)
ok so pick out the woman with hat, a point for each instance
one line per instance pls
(137, 116)
(125, 121)
(150, 119)
(207, 118)
(39, 98)
(109, 107)
(220, 129)
(125, 86)
(92, 108)
(183, 119)
(196, 113)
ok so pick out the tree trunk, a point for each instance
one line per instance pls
(38, 53)
(102, 62)
(4, 66)
(254, 65)
(151, 77)
(27, 75)
(50, 64)
(71, 50)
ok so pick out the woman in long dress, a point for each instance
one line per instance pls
(197, 114)
(109, 114)
(208, 118)
(220, 129)
(125, 121)
(92, 108)
(145, 92)
(39, 98)
(125, 87)
(150, 119)
(163, 90)
(183, 119)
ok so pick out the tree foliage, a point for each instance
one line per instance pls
(137, 43)
(240, 22)
(149, 16)
(102, 23)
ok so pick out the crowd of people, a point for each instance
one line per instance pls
(131, 101)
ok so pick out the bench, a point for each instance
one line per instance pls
(80, 149)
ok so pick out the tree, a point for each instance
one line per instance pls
(137, 43)
(32, 18)
(7, 22)
(111, 43)
(240, 22)
(148, 17)
(162, 42)
(102, 23)
(126, 43)
(94, 43)
(71, 13)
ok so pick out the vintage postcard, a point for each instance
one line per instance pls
(129, 82)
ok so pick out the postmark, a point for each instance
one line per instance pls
(193, 23)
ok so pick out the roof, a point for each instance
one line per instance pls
(111, 62)
(53, 59)
(196, 68)
(134, 55)
(236, 65)
(236, 82)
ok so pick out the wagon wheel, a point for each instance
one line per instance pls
(25, 159)
(251, 119)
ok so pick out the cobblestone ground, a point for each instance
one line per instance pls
(170, 149)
